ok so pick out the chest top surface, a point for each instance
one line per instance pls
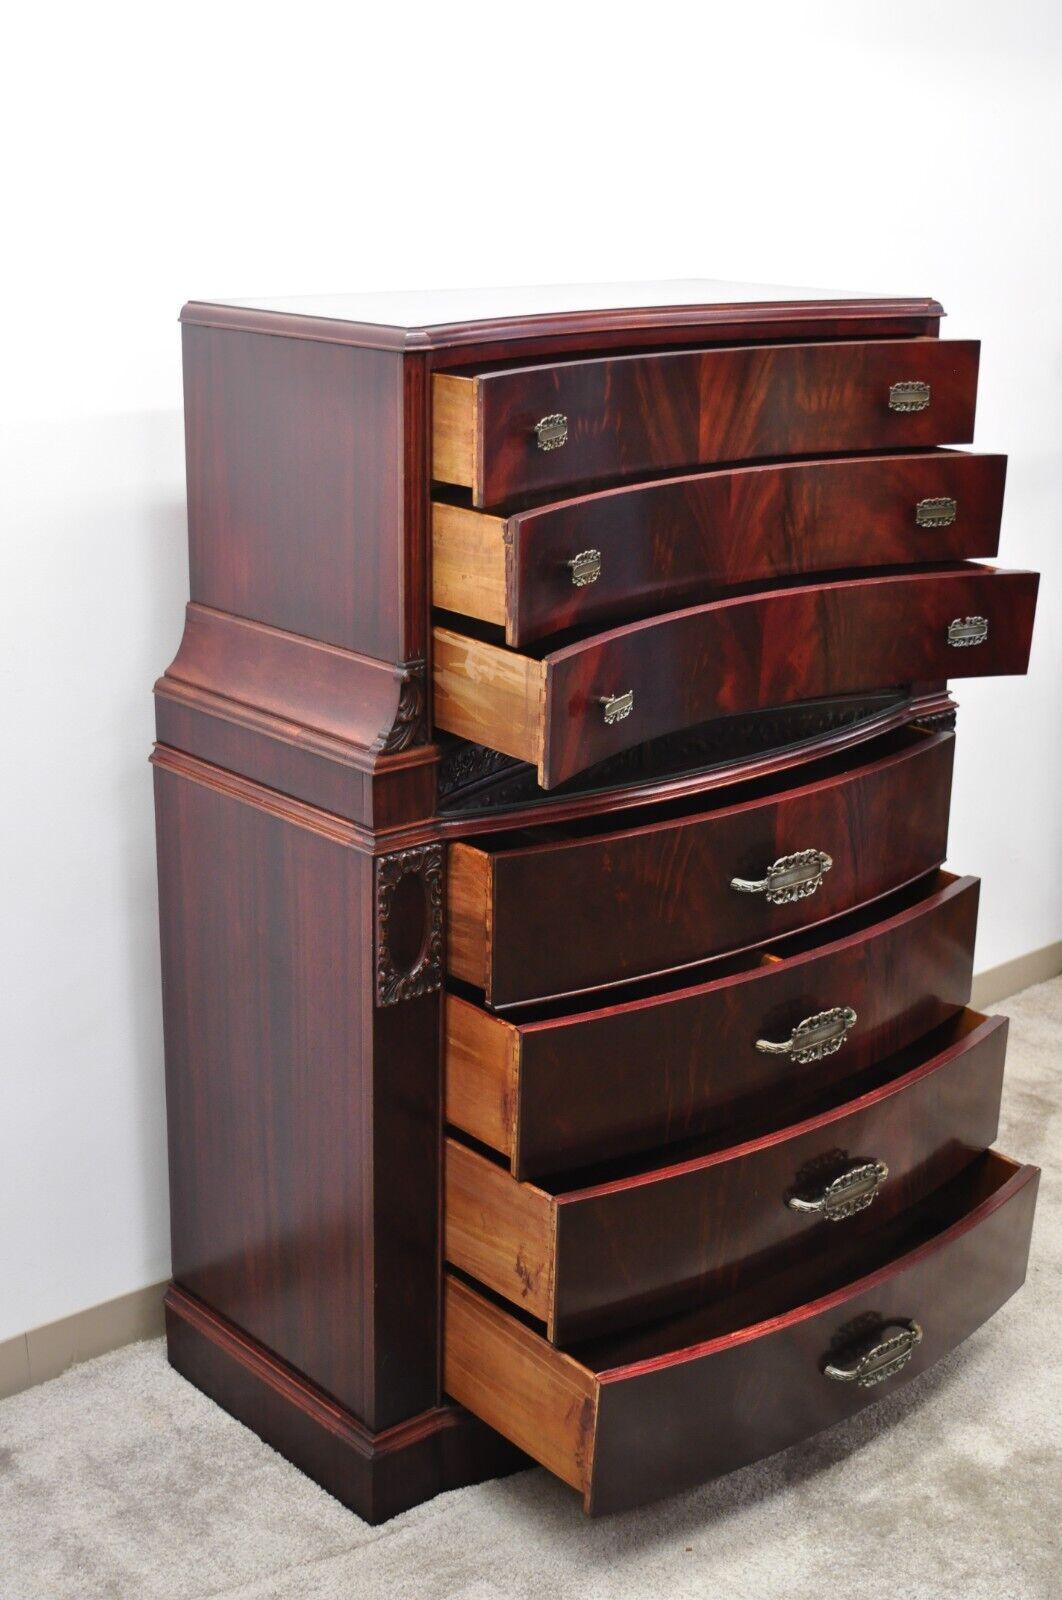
(433, 316)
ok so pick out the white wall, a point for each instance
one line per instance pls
(158, 153)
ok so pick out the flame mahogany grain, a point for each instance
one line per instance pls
(669, 543)
(769, 648)
(640, 414)
(567, 915)
(625, 1250)
(634, 1418)
(565, 1091)
(296, 783)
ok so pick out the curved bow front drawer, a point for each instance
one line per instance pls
(566, 1090)
(643, 1241)
(578, 705)
(622, 553)
(522, 431)
(573, 910)
(640, 1415)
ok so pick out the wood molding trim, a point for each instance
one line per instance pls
(374, 1474)
(661, 324)
(338, 702)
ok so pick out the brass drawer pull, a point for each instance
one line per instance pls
(617, 706)
(789, 878)
(910, 395)
(964, 632)
(552, 431)
(939, 511)
(883, 1360)
(815, 1037)
(585, 568)
(850, 1192)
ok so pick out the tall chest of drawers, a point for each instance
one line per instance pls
(566, 1005)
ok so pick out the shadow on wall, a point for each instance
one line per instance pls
(97, 577)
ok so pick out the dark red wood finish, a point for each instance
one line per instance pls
(304, 1111)
(552, 333)
(670, 1066)
(777, 646)
(303, 1120)
(376, 1474)
(671, 1419)
(298, 509)
(667, 543)
(629, 415)
(576, 914)
(637, 1247)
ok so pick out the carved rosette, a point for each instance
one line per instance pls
(404, 980)
(410, 726)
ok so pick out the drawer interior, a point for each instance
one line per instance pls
(606, 823)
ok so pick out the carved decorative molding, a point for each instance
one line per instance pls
(473, 777)
(937, 721)
(411, 722)
(396, 979)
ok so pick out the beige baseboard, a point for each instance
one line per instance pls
(1010, 977)
(46, 1352)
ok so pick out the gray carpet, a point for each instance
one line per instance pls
(120, 1480)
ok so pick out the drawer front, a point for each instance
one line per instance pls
(630, 1421)
(636, 1248)
(527, 430)
(554, 1095)
(621, 553)
(561, 917)
(591, 700)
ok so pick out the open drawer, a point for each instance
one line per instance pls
(560, 1090)
(559, 910)
(635, 1416)
(620, 553)
(515, 431)
(639, 1239)
(566, 709)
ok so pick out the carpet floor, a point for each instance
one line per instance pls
(120, 1480)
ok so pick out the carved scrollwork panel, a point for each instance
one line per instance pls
(409, 924)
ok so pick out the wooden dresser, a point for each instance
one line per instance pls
(567, 1038)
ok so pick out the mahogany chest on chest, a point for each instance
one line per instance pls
(566, 1005)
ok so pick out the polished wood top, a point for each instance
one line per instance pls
(438, 317)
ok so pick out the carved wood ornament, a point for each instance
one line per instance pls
(398, 979)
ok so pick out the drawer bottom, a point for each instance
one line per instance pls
(631, 1417)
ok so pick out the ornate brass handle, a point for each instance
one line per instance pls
(815, 1037)
(617, 706)
(585, 568)
(883, 1360)
(963, 632)
(910, 395)
(789, 878)
(939, 511)
(851, 1191)
(552, 431)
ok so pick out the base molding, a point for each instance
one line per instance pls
(375, 1475)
